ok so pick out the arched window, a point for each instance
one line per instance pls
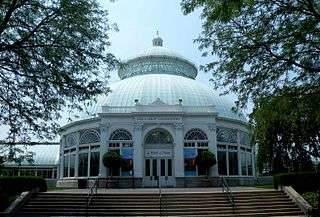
(195, 142)
(158, 136)
(90, 136)
(195, 134)
(226, 135)
(120, 134)
(70, 141)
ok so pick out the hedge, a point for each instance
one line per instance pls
(300, 181)
(18, 184)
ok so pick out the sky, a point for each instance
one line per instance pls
(139, 20)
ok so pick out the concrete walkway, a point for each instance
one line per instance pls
(164, 190)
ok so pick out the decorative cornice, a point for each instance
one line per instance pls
(179, 125)
(137, 126)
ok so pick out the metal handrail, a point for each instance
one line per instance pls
(93, 190)
(225, 188)
(163, 200)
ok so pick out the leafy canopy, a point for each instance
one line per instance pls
(287, 129)
(53, 54)
(262, 46)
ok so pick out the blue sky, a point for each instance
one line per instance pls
(138, 21)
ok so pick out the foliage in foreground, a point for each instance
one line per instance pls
(53, 57)
(262, 46)
(287, 129)
(301, 182)
(18, 184)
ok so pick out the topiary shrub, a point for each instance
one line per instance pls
(112, 160)
(18, 184)
(206, 159)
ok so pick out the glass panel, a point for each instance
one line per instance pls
(90, 136)
(163, 167)
(147, 167)
(243, 164)
(169, 167)
(65, 165)
(72, 165)
(233, 163)
(249, 163)
(222, 163)
(49, 174)
(83, 164)
(94, 163)
(154, 167)
(190, 168)
(201, 171)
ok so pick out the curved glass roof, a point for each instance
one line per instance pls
(160, 73)
(169, 89)
(44, 154)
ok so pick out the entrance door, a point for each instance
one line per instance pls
(158, 171)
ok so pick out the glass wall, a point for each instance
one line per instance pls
(234, 153)
(94, 163)
(83, 165)
(195, 141)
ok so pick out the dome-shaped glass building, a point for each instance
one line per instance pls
(158, 118)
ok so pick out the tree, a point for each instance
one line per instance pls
(206, 159)
(262, 46)
(53, 57)
(287, 129)
(112, 160)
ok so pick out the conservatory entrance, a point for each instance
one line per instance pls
(158, 152)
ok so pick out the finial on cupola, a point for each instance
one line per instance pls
(157, 41)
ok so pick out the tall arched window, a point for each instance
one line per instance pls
(158, 136)
(195, 141)
(89, 136)
(120, 141)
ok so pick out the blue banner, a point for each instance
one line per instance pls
(190, 153)
(127, 153)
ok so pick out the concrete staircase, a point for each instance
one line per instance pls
(254, 203)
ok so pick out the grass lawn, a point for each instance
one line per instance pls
(270, 186)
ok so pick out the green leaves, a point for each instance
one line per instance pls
(53, 56)
(262, 45)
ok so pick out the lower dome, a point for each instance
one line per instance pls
(169, 89)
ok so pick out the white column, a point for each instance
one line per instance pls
(213, 148)
(104, 136)
(138, 158)
(178, 151)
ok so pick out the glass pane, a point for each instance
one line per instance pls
(154, 167)
(243, 164)
(169, 167)
(233, 163)
(201, 171)
(83, 164)
(163, 167)
(147, 167)
(65, 165)
(190, 168)
(222, 163)
(94, 163)
(249, 163)
(72, 165)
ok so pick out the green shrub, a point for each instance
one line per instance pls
(18, 184)
(300, 181)
(206, 159)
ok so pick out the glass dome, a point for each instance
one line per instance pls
(159, 73)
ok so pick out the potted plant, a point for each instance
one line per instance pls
(205, 160)
(112, 160)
